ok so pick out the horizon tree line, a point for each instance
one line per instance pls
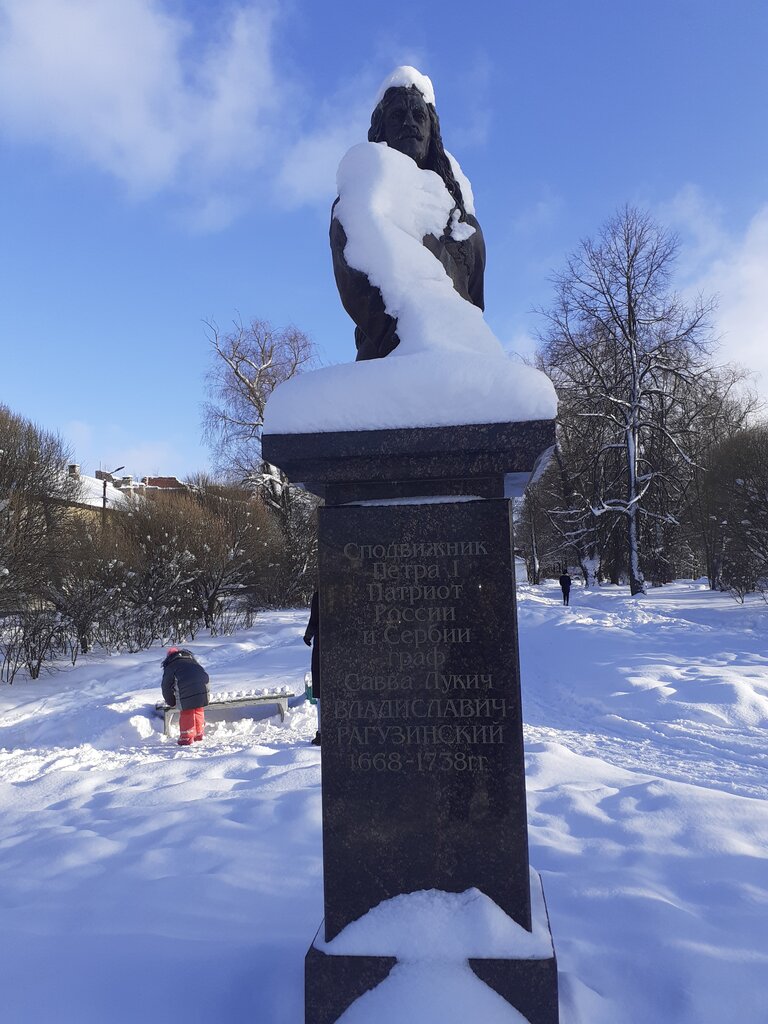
(660, 471)
(648, 427)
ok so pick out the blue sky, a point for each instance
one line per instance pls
(165, 162)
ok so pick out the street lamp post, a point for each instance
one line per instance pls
(104, 494)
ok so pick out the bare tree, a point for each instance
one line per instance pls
(624, 351)
(35, 505)
(86, 585)
(233, 543)
(248, 364)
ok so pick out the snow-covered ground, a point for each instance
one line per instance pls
(143, 882)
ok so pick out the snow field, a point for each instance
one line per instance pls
(142, 880)
(647, 777)
(148, 877)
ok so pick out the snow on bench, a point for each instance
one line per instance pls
(234, 699)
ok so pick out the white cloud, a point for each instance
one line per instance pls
(474, 81)
(210, 213)
(700, 223)
(522, 344)
(543, 213)
(110, 445)
(739, 277)
(132, 87)
(202, 111)
(79, 434)
(307, 173)
(734, 267)
(125, 85)
(159, 458)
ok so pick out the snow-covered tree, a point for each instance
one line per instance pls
(626, 355)
(737, 495)
(249, 363)
(726, 409)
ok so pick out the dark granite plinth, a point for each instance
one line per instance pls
(333, 983)
(370, 464)
(423, 783)
(529, 983)
(423, 773)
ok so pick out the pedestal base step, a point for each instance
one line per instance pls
(334, 980)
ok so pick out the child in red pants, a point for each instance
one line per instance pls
(185, 686)
(191, 725)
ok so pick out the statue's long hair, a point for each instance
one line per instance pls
(437, 160)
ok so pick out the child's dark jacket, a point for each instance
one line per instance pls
(185, 682)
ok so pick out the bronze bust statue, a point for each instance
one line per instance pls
(407, 122)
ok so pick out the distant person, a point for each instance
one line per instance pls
(565, 586)
(312, 639)
(185, 686)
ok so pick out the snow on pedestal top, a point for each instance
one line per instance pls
(429, 391)
(449, 367)
(435, 925)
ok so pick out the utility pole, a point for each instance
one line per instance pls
(108, 477)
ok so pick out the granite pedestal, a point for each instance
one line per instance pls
(423, 781)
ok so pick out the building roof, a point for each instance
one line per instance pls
(164, 482)
(92, 493)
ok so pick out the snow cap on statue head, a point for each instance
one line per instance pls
(406, 77)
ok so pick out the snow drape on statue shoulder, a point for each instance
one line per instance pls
(387, 204)
(449, 367)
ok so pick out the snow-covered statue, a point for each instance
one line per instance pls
(409, 259)
(405, 119)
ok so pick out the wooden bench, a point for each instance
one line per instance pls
(245, 700)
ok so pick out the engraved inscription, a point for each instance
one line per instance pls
(418, 708)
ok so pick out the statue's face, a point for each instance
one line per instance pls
(406, 124)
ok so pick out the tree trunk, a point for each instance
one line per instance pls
(534, 568)
(632, 436)
(636, 578)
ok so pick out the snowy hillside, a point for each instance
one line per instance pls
(146, 882)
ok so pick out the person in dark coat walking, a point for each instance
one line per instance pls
(185, 686)
(312, 639)
(565, 586)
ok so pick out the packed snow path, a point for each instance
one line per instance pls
(147, 882)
